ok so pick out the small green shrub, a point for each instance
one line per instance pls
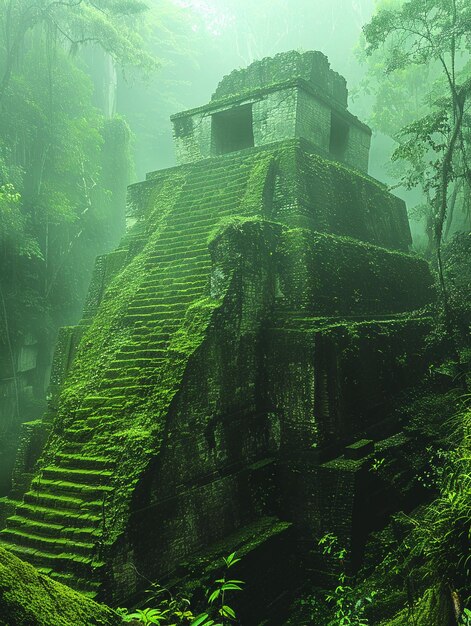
(174, 610)
(347, 604)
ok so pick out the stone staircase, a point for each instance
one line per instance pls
(59, 526)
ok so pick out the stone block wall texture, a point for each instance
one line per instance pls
(274, 117)
(333, 382)
(357, 152)
(292, 95)
(312, 67)
(261, 314)
(313, 120)
(192, 136)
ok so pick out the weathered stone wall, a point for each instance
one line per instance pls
(357, 153)
(314, 124)
(206, 482)
(332, 384)
(228, 355)
(325, 275)
(292, 95)
(278, 114)
(64, 351)
(268, 384)
(313, 192)
(274, 117)
(192, 137)
(312, 67)
(313, 120)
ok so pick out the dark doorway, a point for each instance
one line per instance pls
(232, 130)
(338, 137)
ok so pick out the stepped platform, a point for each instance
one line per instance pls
(233, 291)
(60, 524)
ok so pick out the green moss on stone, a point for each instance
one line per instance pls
(156, 313)
(29, 598)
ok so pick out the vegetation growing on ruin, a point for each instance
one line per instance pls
(267, 361)
(28, 597)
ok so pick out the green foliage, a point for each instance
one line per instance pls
(441, 535)
(377, 463)
(422, 560)
(431, 609)
(63, 167)
(146, 616)
(14, 237)
(458, 275)
(348, 607)
(173, 610)
(435, 145)
(422, 50)
(169, 612)
(420, 32)
(217, 597)
(75, 23)
(59, 213)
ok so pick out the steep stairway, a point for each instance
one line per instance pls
(59, 527)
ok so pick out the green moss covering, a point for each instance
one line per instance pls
(29, 598)
(257, 199)
(336, 199)
(153, 320)
(310, 66)
(235, 224)
(334, 275)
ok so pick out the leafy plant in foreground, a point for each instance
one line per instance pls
(145, 616)
(174, 610)
(465, 618)
(217, 599)
(442, 534)
(348, 607)
(170, 611)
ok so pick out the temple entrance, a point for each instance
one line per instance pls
(232, 130)
(338, 137)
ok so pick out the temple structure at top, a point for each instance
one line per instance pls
(274, 100)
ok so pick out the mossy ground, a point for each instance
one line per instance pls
(28, 598)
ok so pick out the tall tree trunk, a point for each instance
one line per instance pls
(451, 210)
(446, 174)
(11, 354)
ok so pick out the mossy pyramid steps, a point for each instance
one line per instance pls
(151, 314)
(59, 526)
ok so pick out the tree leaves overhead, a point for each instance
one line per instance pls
(110, 24)
(58, 184)
(419, 31)
(423, 48)
(435, 146)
